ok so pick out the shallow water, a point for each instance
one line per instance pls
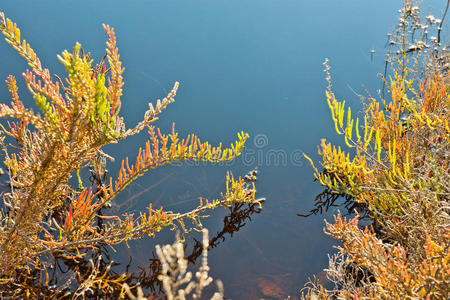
(251, 65)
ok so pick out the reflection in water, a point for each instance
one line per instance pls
(233, 222)
(327, 199)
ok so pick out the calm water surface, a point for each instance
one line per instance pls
(252, 65)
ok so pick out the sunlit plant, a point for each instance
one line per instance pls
(398, 176)
(44, 217)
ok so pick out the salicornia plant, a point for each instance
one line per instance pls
(398, 176)
(44, 217)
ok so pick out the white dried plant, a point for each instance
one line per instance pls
(177, 281)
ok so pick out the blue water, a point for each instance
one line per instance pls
(252, 65)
